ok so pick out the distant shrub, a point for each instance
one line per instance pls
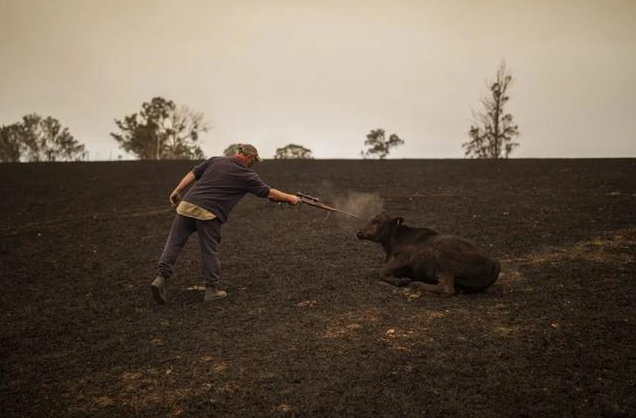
(379, 145)
(293, 151)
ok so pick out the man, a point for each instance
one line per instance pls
(219, 183)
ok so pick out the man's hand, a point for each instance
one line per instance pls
(294, 200)
(278, 196)
(175, 198)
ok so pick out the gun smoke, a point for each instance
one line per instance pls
(365, 205)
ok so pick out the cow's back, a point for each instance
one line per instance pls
(472, 269)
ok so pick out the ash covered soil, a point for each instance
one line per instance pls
(308, 329)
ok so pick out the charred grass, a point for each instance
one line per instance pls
(308, 330)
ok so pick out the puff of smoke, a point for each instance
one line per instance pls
(365, 205)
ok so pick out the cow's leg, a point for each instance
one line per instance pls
(396, 281)
(445, 285)
(394, 272)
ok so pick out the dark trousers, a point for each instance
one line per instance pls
(209, 238)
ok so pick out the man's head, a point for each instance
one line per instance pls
(250, 154)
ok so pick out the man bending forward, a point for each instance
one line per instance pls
(219, 183)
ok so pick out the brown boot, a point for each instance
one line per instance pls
(158, 288)
(212, 293)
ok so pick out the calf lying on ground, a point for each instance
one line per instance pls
(422, 258)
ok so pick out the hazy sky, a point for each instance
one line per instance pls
(324, 73)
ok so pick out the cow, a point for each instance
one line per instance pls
(422, 258)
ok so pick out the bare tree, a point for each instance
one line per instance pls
(293, 151)
(231, 150)
(492, 134)
(379, 145)
(181, 129)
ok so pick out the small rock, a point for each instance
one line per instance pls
(104, 401)
(284, 408)
(157, 341)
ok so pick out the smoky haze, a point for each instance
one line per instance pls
(323, 74)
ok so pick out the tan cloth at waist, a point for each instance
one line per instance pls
(193, 211)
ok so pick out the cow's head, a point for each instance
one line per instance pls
(379, 227)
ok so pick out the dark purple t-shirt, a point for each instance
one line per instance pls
(221, 183)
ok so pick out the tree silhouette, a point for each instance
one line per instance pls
(10, 144)
(161, 130)
(38, 139)
(492, 134)
(379, 145)
(293, 151)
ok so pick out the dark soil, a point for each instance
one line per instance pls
(308, 329)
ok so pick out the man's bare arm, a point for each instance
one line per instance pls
(175, 196)
(283, 197)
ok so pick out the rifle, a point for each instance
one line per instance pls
(315, 202)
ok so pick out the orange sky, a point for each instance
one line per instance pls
(323, 74)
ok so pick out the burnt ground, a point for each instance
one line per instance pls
(308, 330)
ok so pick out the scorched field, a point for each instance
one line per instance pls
(308, 330)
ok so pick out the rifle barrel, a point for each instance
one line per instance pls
(337, 210)
(313, 201)
(346, 213)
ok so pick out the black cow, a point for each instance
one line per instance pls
(422, 258)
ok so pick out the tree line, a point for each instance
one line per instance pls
(35, 138)
(164, 130)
